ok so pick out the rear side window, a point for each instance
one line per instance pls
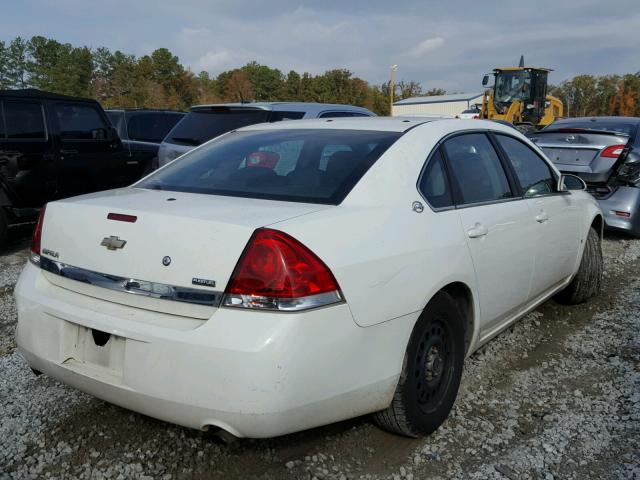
(80, 122)
(289, 165)
(147, 127)
(476, 168)
(533, 173)
(280, 116)
(434, 184)
(200, 126)
(24, 120)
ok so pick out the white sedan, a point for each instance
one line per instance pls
(285, 276)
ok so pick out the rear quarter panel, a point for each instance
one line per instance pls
(389, 260)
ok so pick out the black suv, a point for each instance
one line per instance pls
(54, 146)
(142, 131)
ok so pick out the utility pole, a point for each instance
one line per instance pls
(392, 86)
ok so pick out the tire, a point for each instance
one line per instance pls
(588, 281)
(431, 372)
(4, 228)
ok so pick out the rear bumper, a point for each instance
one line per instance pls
(623, 199)
(254, 374)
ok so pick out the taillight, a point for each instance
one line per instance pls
(612, 151)
(37, 238)
(277, 272)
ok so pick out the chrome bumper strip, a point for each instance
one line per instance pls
(132, 286)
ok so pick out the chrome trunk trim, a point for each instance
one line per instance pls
(133, 286)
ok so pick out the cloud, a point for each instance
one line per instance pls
(214, 61)
(426, 46)
(437, 46)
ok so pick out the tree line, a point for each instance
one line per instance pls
(588, 95)
(159, 80)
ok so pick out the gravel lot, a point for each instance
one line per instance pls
(556, 396)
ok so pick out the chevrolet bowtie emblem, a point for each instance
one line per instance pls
(113, 243)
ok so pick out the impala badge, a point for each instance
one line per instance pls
(113, 243)
(203, 282)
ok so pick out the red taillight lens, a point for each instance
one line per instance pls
(612, 151)
(37, 237)
(278, 272)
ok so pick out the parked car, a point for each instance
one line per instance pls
(141, 132)
(54, 146)
(605, 153)
(290, 275)
(205, 122)
(470, 113)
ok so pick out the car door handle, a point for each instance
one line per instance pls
(542, 217)
(132, 162)
(478, 230)
(70, 151)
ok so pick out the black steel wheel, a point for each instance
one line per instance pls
(433, 368)
(431, 371)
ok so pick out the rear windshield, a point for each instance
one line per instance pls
(200, 126)
(604, 126)
(305, 165)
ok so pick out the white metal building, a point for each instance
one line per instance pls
(446, 105)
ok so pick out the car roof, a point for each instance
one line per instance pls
(627, 120)
(34, 93)
(285, 106)
(389, 124)
(163, 110)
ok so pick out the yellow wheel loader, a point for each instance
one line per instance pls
(519, 96)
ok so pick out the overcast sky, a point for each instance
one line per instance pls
(448, 44)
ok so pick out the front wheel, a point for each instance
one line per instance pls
(587, 282)
(431, 371)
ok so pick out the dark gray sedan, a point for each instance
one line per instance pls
(605, 153)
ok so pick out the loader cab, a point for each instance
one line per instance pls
(526, 85)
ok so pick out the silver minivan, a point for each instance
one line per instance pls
(204, 122)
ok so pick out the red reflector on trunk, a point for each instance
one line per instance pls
(622, 214)
(121, 217)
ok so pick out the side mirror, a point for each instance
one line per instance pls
(569, 182)
(485, 80)
(114, 137)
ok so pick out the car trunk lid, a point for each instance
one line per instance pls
(579, 151)
(182, 240)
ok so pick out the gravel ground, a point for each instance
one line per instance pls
(555, 396)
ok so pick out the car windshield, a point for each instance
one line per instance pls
(512, 86)
(303, 165)
(592, 125)
(201, 125)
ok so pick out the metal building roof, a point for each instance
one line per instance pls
(455, 97)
